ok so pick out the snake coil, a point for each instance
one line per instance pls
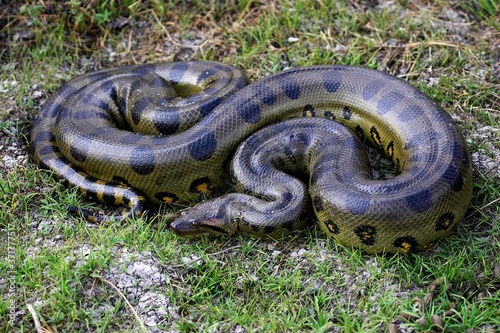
(162, 133)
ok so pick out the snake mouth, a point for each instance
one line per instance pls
(190, 228)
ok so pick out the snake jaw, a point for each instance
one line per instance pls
(198, 222)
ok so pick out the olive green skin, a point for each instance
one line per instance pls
(178, 159)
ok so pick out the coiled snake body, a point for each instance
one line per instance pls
(84, 134)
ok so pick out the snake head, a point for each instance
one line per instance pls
(206, 218)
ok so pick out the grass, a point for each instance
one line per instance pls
(448, 49)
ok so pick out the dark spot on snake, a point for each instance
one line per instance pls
(308, 111)
(126, 199)
(177, 72)
(100, 103)
(453, 177)
(372, 88)
(388, 101)
(201, 185)
(287, 197)
(409, 113)
(366, 234)
(63, 113)
(357, 203)
(445, 221)
(122, 106)
(360, 133)
(330, 115)
(130, 138)
(331, 81)
(346, 112)
(108, 196)
(120, 180)
(206, 74)
(206, 108)
(37, 121)
(47, 150)
(376, 137)
(420, 201)
(167, 121)
(249, 111)
(265, 95)
(82, 114)
(318, 203)
(332, 227)
(458, 184)
(291, 88)
(80, 152)
(304, 138)
(138, 107)
(167, 197)
(405, 244)
(44, 136)
(109, 88)
(203, 146)
(102, 115)
(280, 127)
(51, 109)
(142, 160)
(390, 149)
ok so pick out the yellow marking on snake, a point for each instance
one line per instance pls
(215, 113)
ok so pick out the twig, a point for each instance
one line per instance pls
(38, 326)
(126, 301)
(480, 209)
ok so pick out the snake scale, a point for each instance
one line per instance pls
(162, 133)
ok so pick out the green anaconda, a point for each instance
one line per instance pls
(163, 133)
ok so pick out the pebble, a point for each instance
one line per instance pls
(496, 271)
(436, 283)
(438, 323)
(421, 321)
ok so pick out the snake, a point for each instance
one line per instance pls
(293, 142)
